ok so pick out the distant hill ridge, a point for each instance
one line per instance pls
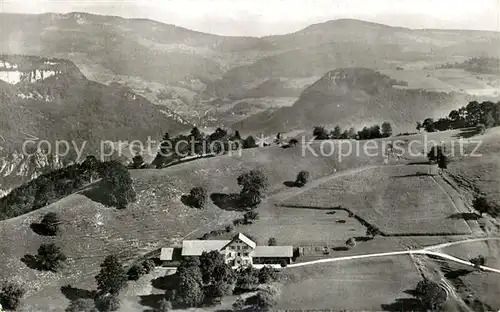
(354, 97)
(197, 69)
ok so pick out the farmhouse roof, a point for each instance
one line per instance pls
(197, 247)
(273, 251)
(166, 254)
(244, 239)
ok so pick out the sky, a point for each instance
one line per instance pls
(268, 17)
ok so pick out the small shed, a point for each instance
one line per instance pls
(166, 254)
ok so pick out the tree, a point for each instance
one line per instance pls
(137, 162)
(482, 205)
(218, 134)
(344, 135)
(50, 257)
(107, 302)
(336, 133)
(267, 298)
(89, 168)
(372, 231)
(428, 125)
(189, 291)
(375, 132)
(50, 223)
(229, 228)
(435, 153)
(112, 278)
(237, 135)
(283, 263)
(195, 133)
(431, 295)
(478, 261)
(11, 295)
(198, 197)
(352, 133)
(253, 181)
(267, 274)
(454, 115)
(302, 178)
(365, 134)
(272, 241)
(474, 113)
(247, 279)
(386, 129)
(253, 186)
(45, 194)
(223, 283)
(250, 216)
(119, 183)
(165, 144)
(320, 133)
(351, 242)
(419, 126)
(249, 142)
(209, 262)
(82, 305)
(136, 271)
(443, 162)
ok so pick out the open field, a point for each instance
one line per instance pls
(395, 199)
(304, 227)
(341, 285)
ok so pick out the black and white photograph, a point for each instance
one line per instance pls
(249, 155)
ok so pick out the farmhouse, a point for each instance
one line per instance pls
(238, 251)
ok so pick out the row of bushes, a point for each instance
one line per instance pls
(483, 115)
(367, 133)
(197, 143)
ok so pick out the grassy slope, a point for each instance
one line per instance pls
(90, 231)
(390, 198)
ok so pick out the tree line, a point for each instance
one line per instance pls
(196, 143)
(367, 133)
(52, 186)
(481, 115)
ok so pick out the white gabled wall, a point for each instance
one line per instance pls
(239, 252)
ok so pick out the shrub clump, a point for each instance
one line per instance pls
(302, 178)
(10, 295)
(137, 270)
(197, 198)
